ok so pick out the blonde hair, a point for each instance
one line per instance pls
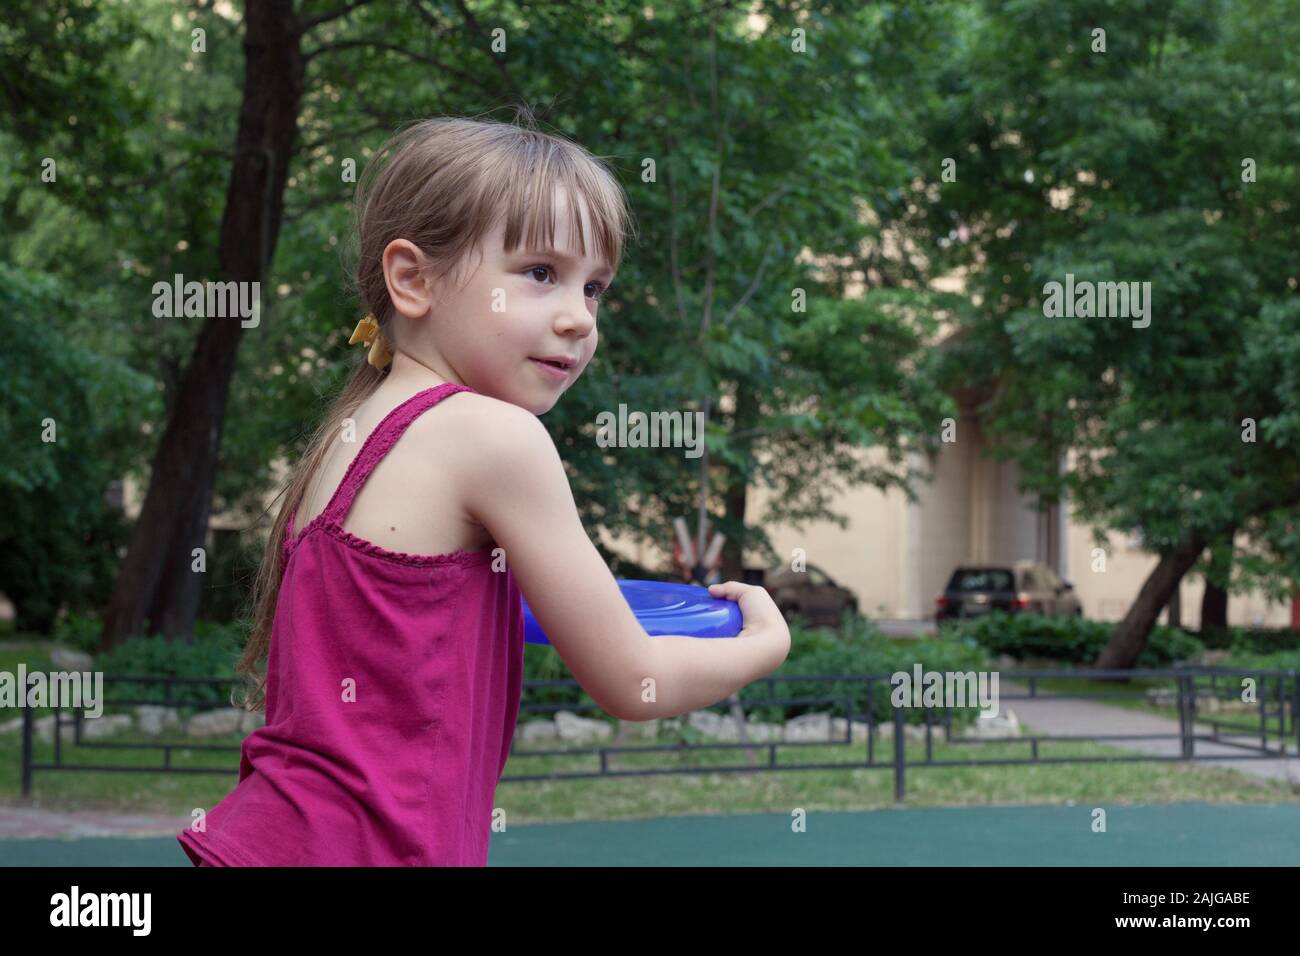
(441, 183)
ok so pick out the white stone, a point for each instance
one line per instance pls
(215, 723)
(95, 728)
(1005, 724)
(539, 731)
(706, 722)
(155, 719)
(581, 729)
(67, 659)
(763, 733)
(808, 728)
(638, 729)
(840, 724)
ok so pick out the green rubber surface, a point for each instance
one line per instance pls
(1181, 834)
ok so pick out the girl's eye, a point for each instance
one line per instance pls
(601, 289)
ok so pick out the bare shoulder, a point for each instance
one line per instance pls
(472, 420)
(476, 437)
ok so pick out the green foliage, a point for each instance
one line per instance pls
(857, 651)
(1127, 165)
(213, 653)
(797, 145)
(81, 632)
(541, 663)
(1287, 660)
(1070, 640)
(1248, 640)
(66, 416)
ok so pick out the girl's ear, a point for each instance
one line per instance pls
(405, 274)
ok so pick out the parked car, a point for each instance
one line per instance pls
(810, 593)
(1022, 586)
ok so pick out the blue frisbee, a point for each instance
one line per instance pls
(665, 608)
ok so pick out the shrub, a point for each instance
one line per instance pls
(1286, 660)
(80, 632)
(857, 650)
(213, 653)
(1068, 639)
(541, 662)
(1255, 640)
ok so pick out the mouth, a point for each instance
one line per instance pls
(555, 366)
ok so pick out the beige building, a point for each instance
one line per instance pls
(896, 556)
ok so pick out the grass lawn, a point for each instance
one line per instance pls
(1105, 784)
(646, 796)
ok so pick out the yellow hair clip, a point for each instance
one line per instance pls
(367, 332)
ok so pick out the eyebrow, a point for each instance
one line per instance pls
(604, 271)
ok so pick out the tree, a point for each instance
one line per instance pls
(1167, 159)
(224, 163)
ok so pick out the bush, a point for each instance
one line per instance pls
(1254, 640)
(214, 652)
(858, 649)
(1286, 660)
(541, 662)
(79, 632)
(1070, 640)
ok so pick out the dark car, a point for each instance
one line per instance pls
(810, 594)
(1022, 586)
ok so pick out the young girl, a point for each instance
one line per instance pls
(388, 604)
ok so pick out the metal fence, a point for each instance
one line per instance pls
(1266, 727)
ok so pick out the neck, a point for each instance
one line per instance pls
(407, 371)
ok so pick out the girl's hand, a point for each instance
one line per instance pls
(759, 611)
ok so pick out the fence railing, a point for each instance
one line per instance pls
(866, 727)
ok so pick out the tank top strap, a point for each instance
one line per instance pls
(379, 442)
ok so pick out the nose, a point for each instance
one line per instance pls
(576, 318)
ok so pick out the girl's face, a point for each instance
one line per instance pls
(494, 329)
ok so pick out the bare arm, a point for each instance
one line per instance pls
(515, 486)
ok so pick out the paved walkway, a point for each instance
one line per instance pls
(31, 823)
(1083, 717)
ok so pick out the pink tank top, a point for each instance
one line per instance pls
(393, 684)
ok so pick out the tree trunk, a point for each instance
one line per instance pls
(1214, 603)
(156, 589)
(1214, 607)
(1130, 635)
(737, 494)
(1175, 607)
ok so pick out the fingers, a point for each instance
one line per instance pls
(729, 590)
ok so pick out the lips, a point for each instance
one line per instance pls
(559, 361)
(557, 370)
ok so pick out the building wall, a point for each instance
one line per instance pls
(896, 556)
(867, 556)
(1106, 590)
